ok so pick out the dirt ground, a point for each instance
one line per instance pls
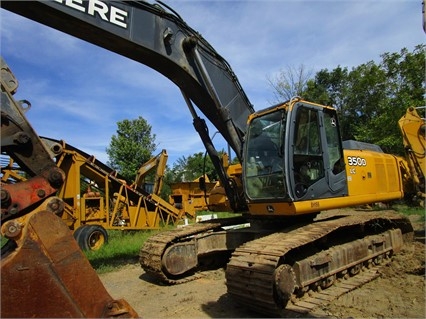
(399, 292)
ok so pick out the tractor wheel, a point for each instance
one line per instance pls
(78, 231)
(91, 237)
(77, 236)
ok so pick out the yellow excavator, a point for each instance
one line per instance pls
(158, 163)
(293, 166)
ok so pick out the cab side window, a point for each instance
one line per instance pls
(334, 150)
(307, 139)
(308, 164)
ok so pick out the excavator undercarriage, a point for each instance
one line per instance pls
(276, 269)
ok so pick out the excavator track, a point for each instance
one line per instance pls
(275, 274)
(321, 298)
(151, 255)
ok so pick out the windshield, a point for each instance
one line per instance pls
(264, 165)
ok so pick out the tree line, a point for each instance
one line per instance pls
(369, 98)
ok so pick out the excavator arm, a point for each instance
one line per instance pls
(413, 129)
(156, 36)
(159, 162)
(20, 142)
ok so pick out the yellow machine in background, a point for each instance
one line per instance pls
(96, 198)
(189, 197)
(413, 131)
(158, 163)
(218, 200)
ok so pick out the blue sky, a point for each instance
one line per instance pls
(79, 92)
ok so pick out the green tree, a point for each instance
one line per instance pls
(166, 190)
(190, 168)
(331, 88)
(132, 146)
(372, 97)
(401, 84)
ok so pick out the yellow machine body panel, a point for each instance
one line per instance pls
(189, 198)
(371, 177)
(372, 174)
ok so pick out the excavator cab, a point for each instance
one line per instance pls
(294, 153)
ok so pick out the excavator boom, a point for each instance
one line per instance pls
(152, 35)
(159, 162)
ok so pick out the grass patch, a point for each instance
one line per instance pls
(122, 248)
(410, 210)
(3, 241)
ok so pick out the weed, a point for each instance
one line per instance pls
(410, 210)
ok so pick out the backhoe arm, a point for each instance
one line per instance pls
(159, 162)
(413, 129)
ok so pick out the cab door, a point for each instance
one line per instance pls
(315, 157)
(333, 154)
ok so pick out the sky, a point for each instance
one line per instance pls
(78, 92)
